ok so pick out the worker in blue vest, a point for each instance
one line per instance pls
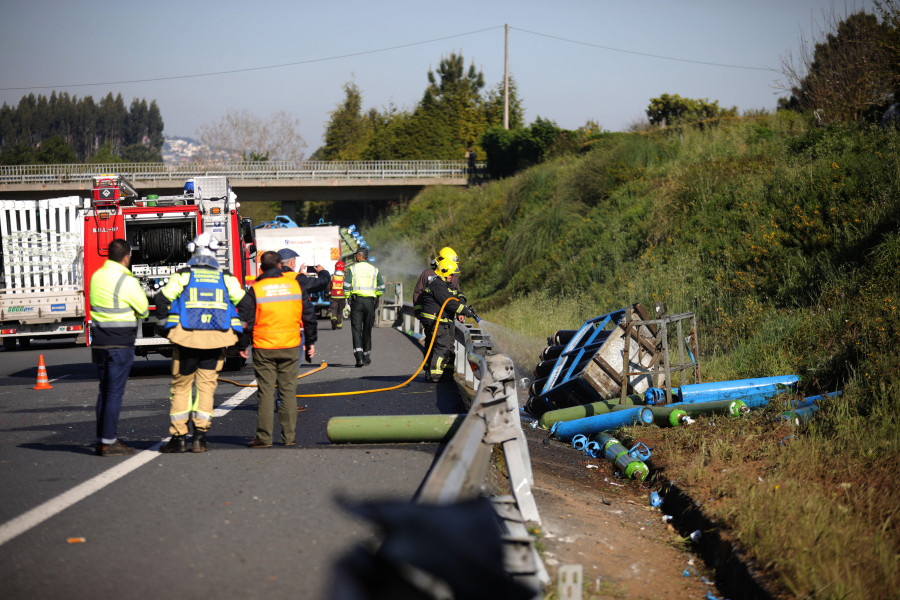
(117, 304)
(202, 311)
(363, 284)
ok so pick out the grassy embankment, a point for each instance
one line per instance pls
(784, 239)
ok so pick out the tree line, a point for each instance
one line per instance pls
(848, 72)
(455, 115)
(68, 129)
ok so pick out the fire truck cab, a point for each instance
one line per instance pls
(158, 229)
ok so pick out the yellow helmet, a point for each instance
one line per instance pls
(445, 267)
(448, 253)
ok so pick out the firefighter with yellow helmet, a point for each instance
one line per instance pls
(438, 291)
(446, 253)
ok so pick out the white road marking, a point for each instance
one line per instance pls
(54, 506)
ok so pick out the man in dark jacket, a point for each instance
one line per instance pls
(311, 284)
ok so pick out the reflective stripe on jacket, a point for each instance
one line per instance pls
(363, 279)
(117, 303)
(202, 304)
(279, 312)
(433, 297)
(337, 284)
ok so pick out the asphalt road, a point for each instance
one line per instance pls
(230, 523)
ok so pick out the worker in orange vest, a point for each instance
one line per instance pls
(337, 296)
(277, 321)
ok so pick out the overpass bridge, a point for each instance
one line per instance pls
(284, 181)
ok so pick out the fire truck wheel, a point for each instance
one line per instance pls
(234, 363)
(9, 343)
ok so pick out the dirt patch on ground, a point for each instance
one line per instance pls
(606, 524)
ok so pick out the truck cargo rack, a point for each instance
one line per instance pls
(591, 364)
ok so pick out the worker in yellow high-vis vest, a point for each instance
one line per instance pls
(363, 284)
(117, 305)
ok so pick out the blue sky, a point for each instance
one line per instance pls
(573, 60)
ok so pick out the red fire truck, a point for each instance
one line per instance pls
(158, 229)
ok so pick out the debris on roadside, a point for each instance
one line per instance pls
(584, 385)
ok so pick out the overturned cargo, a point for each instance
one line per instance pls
(581, 366)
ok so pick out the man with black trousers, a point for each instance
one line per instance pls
(363, 284)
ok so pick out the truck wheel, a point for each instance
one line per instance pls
(25, 342)
(9, 343)
(234, 363)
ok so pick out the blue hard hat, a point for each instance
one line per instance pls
(287, 254)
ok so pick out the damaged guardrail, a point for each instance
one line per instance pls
(488, 387)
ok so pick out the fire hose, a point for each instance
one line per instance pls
(387, 389)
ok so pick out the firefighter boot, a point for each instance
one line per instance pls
(366, 358)
(199, 441)
(359, 358)
(176, 444)
(334, 324)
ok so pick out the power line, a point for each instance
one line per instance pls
(387, 49)
(248, 69)
(687, 60)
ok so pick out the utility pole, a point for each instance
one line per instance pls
(506, 76)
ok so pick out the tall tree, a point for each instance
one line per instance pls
(241, 133)
(453, 79)
(849, 74)
(155, 127)
(348, 131)
(493, 106)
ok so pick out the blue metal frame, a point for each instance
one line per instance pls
(576, 349)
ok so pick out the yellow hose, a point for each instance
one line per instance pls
(387, 389)
(393, 387)
(316, 370)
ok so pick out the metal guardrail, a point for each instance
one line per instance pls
(267, 170)
(493, 419)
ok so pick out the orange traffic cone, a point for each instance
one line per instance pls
(42, 382)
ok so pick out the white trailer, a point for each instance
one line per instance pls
(41, 270)
(314, 245)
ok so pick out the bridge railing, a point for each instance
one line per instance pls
(268, 170)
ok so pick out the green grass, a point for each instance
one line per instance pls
(784, 240)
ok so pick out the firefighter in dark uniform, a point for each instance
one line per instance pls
(201, 311)
(432, 298)
(426, 276)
